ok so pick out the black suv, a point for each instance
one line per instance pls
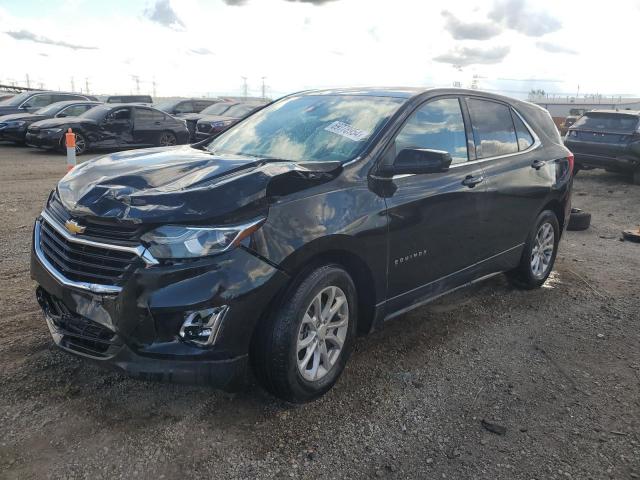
(314, 219)
(607, 139)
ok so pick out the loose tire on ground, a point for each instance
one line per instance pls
(275, 350)
(578, 220)
(524, 275)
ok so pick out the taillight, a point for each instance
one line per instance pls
(571, 160)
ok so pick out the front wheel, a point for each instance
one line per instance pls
(299, 353)
(539, 252)
(167, 139)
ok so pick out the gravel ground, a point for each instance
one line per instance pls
(558, 369)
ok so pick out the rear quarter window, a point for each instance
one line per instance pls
(525, 139)
(493, 128)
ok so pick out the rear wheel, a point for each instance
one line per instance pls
(166, 139)
(299, 353)
(539, 252)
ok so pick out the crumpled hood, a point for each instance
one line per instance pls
(184, 184)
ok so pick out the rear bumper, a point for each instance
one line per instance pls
(623, 164)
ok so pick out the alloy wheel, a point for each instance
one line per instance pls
(542, 251)
(81, 144)
(322, 333)
(167, 140)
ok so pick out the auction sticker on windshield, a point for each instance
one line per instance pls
(346, 130)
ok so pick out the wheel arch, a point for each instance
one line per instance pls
(300, 264)
(556, 207)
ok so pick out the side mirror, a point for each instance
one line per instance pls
(61, 115)
(419, 161)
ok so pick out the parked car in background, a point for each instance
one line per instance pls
(570, 120)
(29, 102)
(209, 125)
(14, 127)
(111, 126)
(316, 218)
(608, 139)
(130, 99)
(185, 106)
(214, 110)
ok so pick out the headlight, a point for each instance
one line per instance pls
(221, 123)
(16, 123)
(177, 241)
(54, 130)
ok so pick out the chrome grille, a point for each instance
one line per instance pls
(85, 263)
(118, 231)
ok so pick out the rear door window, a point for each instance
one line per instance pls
(493, 128)
(437, 125)
(525, 139)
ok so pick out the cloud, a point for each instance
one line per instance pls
(465, 56)
(201, 51)
(555, 48)
(239, 3)
(469, 30)
(163, 14)
(314, 2)
(30, 36)
(518, 15)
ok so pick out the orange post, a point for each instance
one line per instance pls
(70, 140)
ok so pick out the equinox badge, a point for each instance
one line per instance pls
(74, 227)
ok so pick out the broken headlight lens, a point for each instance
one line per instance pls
(177, 241)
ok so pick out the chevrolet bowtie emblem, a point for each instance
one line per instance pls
(74, 227)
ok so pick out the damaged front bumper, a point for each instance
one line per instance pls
(136, 326)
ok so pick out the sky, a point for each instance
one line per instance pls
(205, 48)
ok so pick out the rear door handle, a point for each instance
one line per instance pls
(471, 181)
(157, 123)
(538, 164)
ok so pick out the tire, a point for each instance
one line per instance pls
(167, 139)
(578, 220)
(81, 144)
(636, 177)
(81, 147)
(525, 276)
(277, 357)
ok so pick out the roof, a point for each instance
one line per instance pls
(73, 102)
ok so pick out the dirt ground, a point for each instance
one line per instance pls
(558, 368)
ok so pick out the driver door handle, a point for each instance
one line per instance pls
(538, 164)
(471, 181)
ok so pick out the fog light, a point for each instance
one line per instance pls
(202, 327)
